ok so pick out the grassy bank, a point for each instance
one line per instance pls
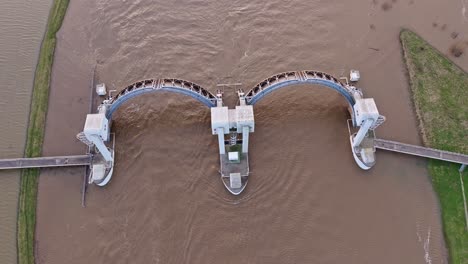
(37, 117)
(440, 94)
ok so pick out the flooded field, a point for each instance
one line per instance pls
(307, 201)
(22, 25)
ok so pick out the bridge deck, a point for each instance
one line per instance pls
(60, 161)
(420, 151)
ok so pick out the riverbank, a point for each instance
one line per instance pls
(439, 93)
(35, 136)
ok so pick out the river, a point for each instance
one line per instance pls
(307, 201)
(22, 28)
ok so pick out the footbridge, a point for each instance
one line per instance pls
(45, 162)
(421, 151)
(232, 127)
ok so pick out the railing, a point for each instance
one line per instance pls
(44, 162)
(421, 151)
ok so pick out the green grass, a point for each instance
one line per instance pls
(440, 94)
(37, 117)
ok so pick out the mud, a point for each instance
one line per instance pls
(457, 49)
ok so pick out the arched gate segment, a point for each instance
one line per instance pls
(154, 85)
(281, 80)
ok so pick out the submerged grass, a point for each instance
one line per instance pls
(440, 92)
(37, 117)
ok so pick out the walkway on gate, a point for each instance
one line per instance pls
(420, 151)
(44, 162)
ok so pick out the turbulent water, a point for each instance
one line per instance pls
(307, 201)
(22, 25)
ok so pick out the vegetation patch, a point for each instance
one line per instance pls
(35, 136)
(440, 91)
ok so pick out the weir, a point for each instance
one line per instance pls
(235, 123)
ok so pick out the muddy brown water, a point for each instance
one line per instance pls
(307, 201)
(22, 25)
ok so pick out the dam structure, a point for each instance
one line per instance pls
(232, 127)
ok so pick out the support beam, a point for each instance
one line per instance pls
(245, 139)
(362, 132)
(99, 143)
(222, 148)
